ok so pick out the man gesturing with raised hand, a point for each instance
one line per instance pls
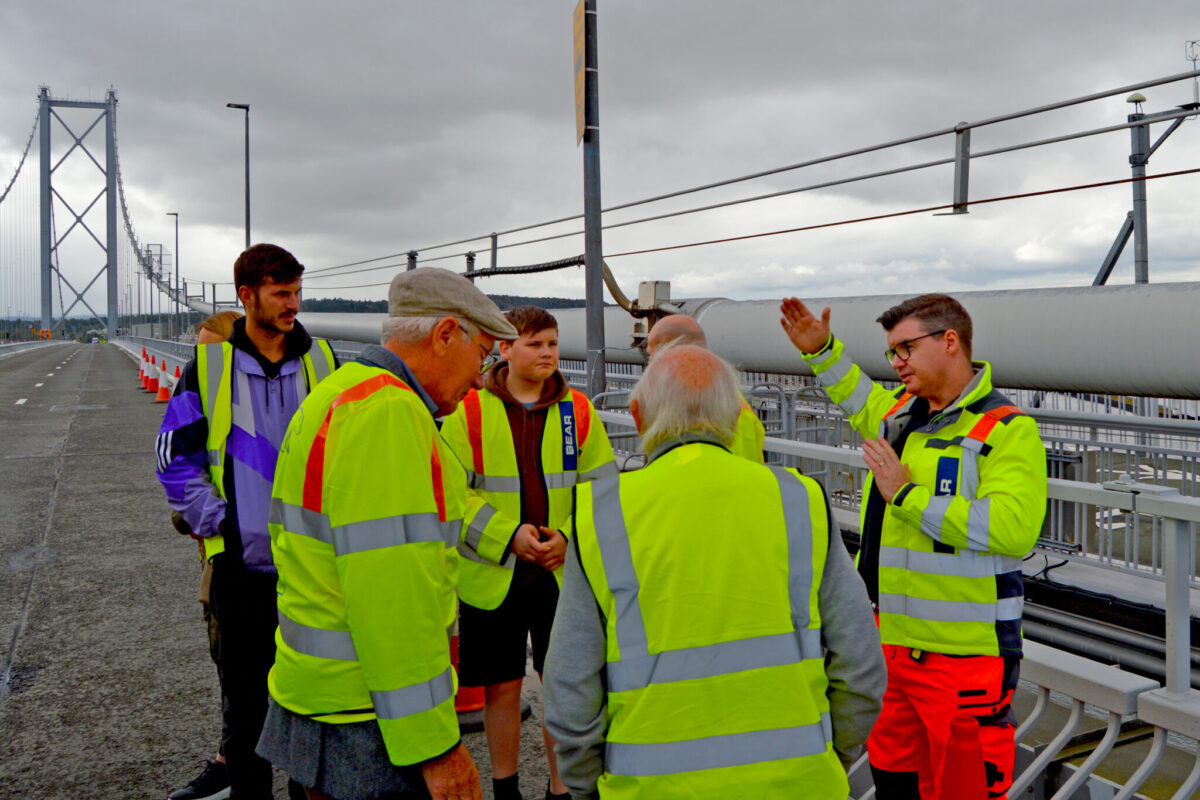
(955, 500)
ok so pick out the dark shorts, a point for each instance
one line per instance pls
(491, 644)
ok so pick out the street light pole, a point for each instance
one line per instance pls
(245, 107)
(178, 320)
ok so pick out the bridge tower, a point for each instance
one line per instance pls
(50, 247)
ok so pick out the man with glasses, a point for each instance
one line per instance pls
(954, 501)
(366, 513)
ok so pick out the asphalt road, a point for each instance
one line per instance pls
(107, 690)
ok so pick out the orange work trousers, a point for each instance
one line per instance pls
(927, 690)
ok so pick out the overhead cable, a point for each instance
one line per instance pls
(811, 162)
(925, 210)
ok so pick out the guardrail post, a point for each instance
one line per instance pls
(495, 248)
(1177, 568)
(962, 166)
(471, 266)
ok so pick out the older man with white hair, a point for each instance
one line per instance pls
(712, 638)
(366, 513)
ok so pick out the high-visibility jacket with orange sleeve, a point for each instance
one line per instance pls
(366, 509)
(750, 436)
(715, 669)
(575, 449)
(953, 538)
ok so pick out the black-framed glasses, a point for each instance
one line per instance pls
(903, 350)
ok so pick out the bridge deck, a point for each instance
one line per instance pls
(110, 691)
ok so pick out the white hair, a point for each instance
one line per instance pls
(415, 330)
(674, 397)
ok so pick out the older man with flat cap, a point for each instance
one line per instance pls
(366, 512)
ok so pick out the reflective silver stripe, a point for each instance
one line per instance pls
(964, 564)
(373, 534)
(617, 558)
(304, 521)
(934, 513)
(214, 458)
(473, 479)
(471, 555)
(706, 661)
(603, 471)
(409, 700)
(498, 483)
(320, 364)
(214, 359)
(857, 400)
(820, 359)
(836, 372)
(945, 610)
(978, 523)
(827, 726)
(317, 642)
(242, 409)
(477, 526)
(560, 480)
(969, 483)
(450, 532)
(796, 521)
(1008, 608)
(713, 752)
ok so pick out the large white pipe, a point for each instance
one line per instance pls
(1132, 340)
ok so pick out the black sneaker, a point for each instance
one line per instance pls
(211, 784)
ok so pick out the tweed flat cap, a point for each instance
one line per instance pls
(433, 292)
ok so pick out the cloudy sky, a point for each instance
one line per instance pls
(379, 127)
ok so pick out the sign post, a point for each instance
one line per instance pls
(587, 125)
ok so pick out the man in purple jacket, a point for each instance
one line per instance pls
(217, 448)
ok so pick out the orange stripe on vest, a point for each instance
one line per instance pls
(989, 420)
(314, 469)
(583, 416)
(474, 417)
(904, 398)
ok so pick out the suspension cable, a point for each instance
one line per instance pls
(21, 163)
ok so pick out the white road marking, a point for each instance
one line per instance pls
(38, 385)
(49, 374)
(21, 402)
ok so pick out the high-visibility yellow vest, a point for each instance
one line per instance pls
(750, 436)
(953, 538)
(214, 370)
(715, 674)
(366, 511)
(575, 448)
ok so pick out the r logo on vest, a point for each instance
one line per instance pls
(947, 476)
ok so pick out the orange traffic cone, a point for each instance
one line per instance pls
(152, 376)
(164, 385)
(142, 368)
(964, 776)
(469, 698)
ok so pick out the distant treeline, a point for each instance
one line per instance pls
(338, 305)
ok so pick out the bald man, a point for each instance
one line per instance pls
(744, 659)
(680, 329)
